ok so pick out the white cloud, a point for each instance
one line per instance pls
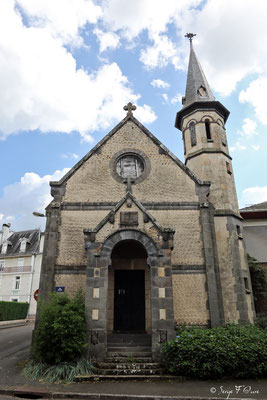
(31, 193)
(130, 19)
(107, 40)
(238, 146)
(228, 41)
(255, 95)
(63, 19)
(177, 98)
(41, 87)
(158, 83)
(255, 147)
(248, 128)
(165, 97)
(70, 155)
(253, 195)
(160, 53)
(1, 216)
(145, 114)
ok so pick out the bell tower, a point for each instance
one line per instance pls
(202, 122)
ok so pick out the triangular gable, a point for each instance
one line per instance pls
(110, 215)
(97, 147)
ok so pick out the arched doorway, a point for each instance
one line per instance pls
(129, 288)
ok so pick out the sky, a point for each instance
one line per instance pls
(67, 68)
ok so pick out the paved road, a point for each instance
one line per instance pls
(14, 339)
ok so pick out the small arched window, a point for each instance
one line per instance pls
(207, 127)
(193, 137)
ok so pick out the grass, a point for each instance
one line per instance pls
(64, 372)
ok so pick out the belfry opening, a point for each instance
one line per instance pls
(129, 289)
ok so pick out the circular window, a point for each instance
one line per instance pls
(130, 162)
(129, 165)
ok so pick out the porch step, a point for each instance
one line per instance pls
(126, 365)
(86, 378)
(123, 360)
(129, 371)
(130, 349)
(129, 353)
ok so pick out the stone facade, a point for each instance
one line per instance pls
(130, 205)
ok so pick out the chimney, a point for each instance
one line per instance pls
(5, 233)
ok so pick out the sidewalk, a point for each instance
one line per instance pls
(12, 383)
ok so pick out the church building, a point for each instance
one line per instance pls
(153, 242)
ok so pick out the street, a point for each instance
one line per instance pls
(14, 339)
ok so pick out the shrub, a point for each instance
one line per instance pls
(261, 320)
(258, 281)
(239, 351)
(60, 335)
(11, 310)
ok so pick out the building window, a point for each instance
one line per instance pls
(246, 285)
(17, 283)
(2, 265)
(20, 262)
(14, 299)
(130, 165)
(228, 168)
(193, 137)
(207, 127)
(238, 231)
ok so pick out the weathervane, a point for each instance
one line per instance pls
(129, 108)
(190, 36)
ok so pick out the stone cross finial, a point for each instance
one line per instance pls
(129, 108)
(190, 36)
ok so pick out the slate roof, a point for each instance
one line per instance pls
(256, 207)
(14, 249)
(195, 80)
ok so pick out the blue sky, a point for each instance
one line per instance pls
(67, 68)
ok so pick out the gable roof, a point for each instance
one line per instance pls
(96, 148)
(33, 238)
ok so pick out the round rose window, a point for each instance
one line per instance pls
(129, 165)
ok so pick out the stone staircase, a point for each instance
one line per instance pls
(129, 357)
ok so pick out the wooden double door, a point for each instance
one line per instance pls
(129, 301)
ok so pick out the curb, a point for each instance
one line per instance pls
(39, 394)
(15, 323)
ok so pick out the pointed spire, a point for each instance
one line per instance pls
(197, 87)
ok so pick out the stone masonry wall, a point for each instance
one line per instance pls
(190, 299)
(93, 182)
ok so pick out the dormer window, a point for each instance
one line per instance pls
(5, 246)
(23, 244)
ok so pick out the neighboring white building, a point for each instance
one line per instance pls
(20, 265)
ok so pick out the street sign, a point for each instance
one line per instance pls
(35, 294)
(60, 289)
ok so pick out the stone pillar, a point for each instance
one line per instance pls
(96, 299)
(162, 313)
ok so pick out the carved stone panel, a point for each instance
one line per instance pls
(129, 218)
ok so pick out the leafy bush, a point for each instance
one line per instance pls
(60, 335)
(261, 320)
(258, 281)
(56, 373)
(11, 310)
(239, 351)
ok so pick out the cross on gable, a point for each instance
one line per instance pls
(129, 108)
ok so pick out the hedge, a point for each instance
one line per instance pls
(11, 310)
(238, 351)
